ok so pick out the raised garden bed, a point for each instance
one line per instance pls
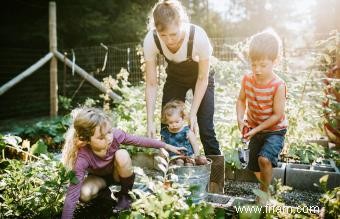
(302, 176)
(248, 176)
(294, 197)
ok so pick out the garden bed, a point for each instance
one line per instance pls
(295, 197)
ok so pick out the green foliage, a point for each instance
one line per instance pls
(33, 190)
(65, 103)
(330, 68)
(50, 131)
(160, 201)
(39, 147)
(305, 153)
(330, 199)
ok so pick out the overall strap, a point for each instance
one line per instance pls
(191, 42)
(158, 44)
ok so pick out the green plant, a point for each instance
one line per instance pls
(163, 200)
(330, 199)
(305, 153)
(50, 131)
(34, 189)
(329, 61)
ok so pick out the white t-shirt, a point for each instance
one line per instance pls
(201, 50)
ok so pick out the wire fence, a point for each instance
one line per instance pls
(31, 97)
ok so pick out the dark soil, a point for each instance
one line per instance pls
(294, 197)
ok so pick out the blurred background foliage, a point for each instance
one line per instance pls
(24, 23)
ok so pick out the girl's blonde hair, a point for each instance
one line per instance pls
(165, 12)
(266, 44)
(83, 124)
(172, 107)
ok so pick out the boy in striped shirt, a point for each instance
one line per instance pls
(261, 105)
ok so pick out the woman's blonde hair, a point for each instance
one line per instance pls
(83, 124)
(165, 12)
(266, 44)
(172, 107)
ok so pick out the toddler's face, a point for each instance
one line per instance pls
(102, 137)
(175, 122)
(262, 68)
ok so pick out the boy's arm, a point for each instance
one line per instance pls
(279, 104)
(241, 107)
(193, 141)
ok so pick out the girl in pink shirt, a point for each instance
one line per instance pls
(92, 146)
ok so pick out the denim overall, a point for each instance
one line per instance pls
(181, 77)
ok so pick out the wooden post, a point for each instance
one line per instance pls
(54, 62)
(337, 51)
(87, 76)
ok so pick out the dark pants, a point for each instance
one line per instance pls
(205, 114)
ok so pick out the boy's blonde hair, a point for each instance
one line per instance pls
(165, 12)
(83, 124)
(172, 107)
(265, 45)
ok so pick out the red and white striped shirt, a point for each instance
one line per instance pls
(260, 99)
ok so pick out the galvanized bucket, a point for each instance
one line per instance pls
(195, 176)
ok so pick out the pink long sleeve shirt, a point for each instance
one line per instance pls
(87, 161)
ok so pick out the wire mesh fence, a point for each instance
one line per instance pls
(31, 97)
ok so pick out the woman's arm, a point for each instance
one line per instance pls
(150, 96)
(200, 88)
(193, 141)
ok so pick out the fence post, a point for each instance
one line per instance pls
(337, 51)
(54, 62)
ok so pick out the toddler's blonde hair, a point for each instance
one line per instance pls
(172, 107)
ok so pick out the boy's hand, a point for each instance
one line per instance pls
(249, 134)
(176, 150)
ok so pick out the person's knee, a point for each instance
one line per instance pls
(122, 158)
(86, 194)
(264, 162)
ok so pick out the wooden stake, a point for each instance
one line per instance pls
(87, 76)
(25, 73)
(54, 62)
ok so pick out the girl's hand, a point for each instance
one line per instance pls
(176, 150)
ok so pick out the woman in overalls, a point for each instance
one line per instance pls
(187, 50)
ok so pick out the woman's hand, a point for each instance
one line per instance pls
(176, 150)
(151, 130)
(193, 123)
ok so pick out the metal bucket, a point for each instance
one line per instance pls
(195, 176)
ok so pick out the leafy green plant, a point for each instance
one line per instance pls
(163, 200)
(329, 63)
(49, 131)
(33, 190)
(330, 199)
(306, 153)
